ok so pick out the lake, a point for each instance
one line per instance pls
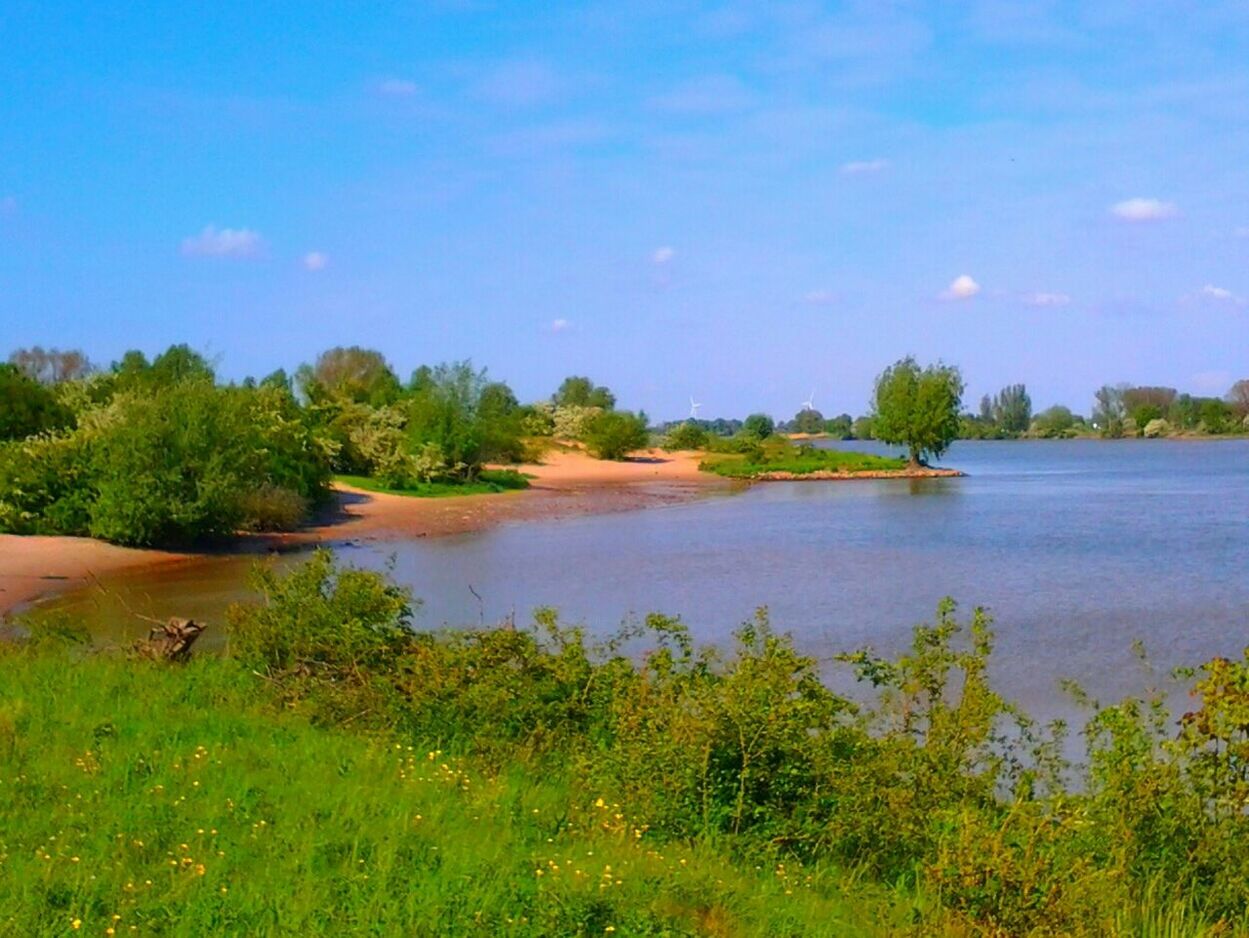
(1077, 547)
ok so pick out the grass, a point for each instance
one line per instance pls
(782, 456)
(488, 482)
(141, 799)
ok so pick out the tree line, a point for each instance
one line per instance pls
(149, 452)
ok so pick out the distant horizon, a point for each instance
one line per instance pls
(735, 200)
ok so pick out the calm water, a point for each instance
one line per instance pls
(1078, 548)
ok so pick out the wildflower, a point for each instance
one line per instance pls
(76, 924)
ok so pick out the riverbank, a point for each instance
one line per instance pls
(566, 484)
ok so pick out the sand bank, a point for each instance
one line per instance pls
(565, 484)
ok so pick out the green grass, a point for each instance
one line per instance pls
(782, 456)
(177, 801)
(488, 482)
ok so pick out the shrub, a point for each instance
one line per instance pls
(270, 507)
(27, 407)
(572, 421)
(760, 426)
(1156, 428)
(688, 435)
(614, 434)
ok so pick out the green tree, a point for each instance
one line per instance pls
(687, 435)
(1109, 411)
(840, 427)
(760, 426)
(26, 406)
(349, 374)
(579, 391)
(918, 407)
(1012, 409)
(1238, 397)
(613, 434)
(1054, 422)
(808, 420)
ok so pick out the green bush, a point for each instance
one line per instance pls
(28, 407)
(760, 426)
(688, 435)
(614, 434)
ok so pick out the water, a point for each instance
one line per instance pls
(1077, 547)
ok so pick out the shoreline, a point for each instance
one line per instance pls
(565, 485)
(830, 475)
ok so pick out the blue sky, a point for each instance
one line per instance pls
(738, 200)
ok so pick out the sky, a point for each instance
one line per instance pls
(736, 201)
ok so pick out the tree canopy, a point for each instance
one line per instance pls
(580, 391)
(918, 407)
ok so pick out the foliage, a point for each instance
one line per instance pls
(808, 420)
(353, 374)
(614, 434)
(1109, 411)
(840, 427)
(571, 789)
(1238, 398)
(783, 457)
(688, 435)
(572, 421)
(918, 407)
(1156, 428)
(488, 482)
(1054, 422)
(1010, 410)
(28, 407)
(579, 391)
(760, 426)
(167, 464)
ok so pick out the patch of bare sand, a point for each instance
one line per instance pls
(34, 566)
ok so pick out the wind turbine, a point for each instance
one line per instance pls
(809, 403)
(694, 405)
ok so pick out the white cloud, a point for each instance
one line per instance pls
(663, 255)
(560, 325)
(1212, 294)
(1139, 209)
(819, 297)
(962, 287)
(223, 242)
(396, 87)
(858, 167)
(1046, 299)
(315, 260)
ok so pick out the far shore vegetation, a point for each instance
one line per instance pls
(337, 771)
(161, 453)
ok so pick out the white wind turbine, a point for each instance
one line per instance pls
(809, 403)
(694, 405)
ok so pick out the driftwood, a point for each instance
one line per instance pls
(171, 641)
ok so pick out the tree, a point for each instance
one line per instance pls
(579, 391)
(51, 366)
(1054, 422)
(760, 426)
(918, 407)
(1146, 404)
(808, 420)
(350, 374)
(613, 434)
(1109, 411)
(1238, 397)
(26, 406)
(840, 427)
(687, 435)
(1012, 409)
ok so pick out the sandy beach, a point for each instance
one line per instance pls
(565, 484)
